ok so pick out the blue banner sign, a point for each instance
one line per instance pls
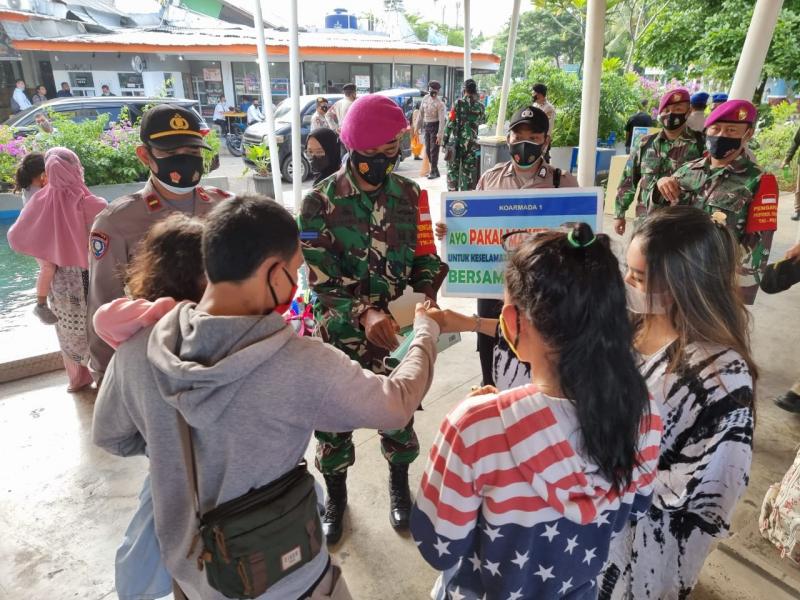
(477, 221)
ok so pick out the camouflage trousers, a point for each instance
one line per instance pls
(463, 170)
(336, 451)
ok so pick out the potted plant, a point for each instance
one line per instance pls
(258, 160)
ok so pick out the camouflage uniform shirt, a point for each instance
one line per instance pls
(729, 190)
(656, 157)
(360, 250)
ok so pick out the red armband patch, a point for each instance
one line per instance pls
(425, 244)
(762, 215)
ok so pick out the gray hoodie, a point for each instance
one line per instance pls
(253, 393)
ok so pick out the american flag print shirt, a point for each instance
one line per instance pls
(508, 508)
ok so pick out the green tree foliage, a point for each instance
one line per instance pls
(454, 35)
(540, 35)
(706, 38)
(771, 144)
(620, 95)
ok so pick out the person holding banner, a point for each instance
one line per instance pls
(367, 236)
(528, 136)
(728, 185)
(658, 155)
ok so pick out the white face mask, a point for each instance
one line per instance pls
(177, 190)
(637, 301)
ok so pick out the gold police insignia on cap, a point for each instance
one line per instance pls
(742, 114)
(178, 122)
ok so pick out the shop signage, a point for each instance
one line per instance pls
(212, 74)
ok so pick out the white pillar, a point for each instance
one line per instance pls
(294, 94)
(590, 96)
(754, 51)
(467, 43)
(228, 88)
(512, 41)
(266, 92)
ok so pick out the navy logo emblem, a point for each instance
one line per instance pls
(98, 244)
(458, 208)
(527, 113)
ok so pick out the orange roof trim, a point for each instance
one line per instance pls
(14, 17)
(247, 49)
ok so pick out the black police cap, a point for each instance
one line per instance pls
(169, 126)
(534, 117)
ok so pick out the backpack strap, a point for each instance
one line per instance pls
(556, 177)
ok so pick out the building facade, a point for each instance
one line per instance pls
(199, 57)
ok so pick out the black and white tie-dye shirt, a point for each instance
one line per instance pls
(706, 449)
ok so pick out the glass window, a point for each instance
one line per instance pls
(338, 74)
(314, 77)
(361, 75)
(438, 74)
(246, 82)
(419, 77)
(81, 80)
(279, 78)
(381, 77)
(130, 84)
(169, 85)
(111, 111)
(206, 84)
(402, 76)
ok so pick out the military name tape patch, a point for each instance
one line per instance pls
(98, 244)
(309, 235)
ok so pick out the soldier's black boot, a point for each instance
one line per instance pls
(399, 496)
(333, 520)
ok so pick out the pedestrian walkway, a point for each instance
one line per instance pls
(65, 503)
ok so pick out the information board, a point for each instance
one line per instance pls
(476, 222)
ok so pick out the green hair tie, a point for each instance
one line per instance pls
(576, 244)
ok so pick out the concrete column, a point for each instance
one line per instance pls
(512, 40)
(227, 81)
(590, 97)
(294, 94)
(467, 43)
(266, 89)
(754, 51)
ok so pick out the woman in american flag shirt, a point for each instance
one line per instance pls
(692, 338)
(524, 489)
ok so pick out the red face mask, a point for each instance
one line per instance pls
(282, 307)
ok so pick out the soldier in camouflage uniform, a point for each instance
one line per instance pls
(359, 231)
(462, 127)
(658, 155)
(724, 184)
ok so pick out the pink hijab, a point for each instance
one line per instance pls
(54, 224)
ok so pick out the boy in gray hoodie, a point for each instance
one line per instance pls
(252, 391)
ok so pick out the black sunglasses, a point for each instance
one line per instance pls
(324, 108)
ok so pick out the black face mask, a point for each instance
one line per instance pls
(720, 147)
(525, 153)
(434, 94)
(319, 163)
(373, 169)
(180, 173)
(672, 121)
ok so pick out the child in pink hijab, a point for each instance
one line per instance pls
(53, 227)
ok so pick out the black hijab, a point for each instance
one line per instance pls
(329, 141)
